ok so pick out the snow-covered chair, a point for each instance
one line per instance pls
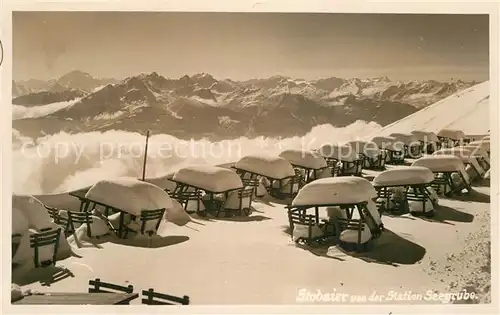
(146, 224)
(191, 198)
(480, 154)
(282, 180)
(45, 243)
(450, 176)
(483, 144)
(20, 227)
(373, 157)
(239, 201)
(304, 227)
(350, 194)
(429, 141)
(412, 146)
(30, 217)
(205, 186)
(415, 182)
(311, 165)
(471, 163)
(395, 151)
(355, 233)
(260, 184)
(77, 219)
(451, 137)
(343, 160)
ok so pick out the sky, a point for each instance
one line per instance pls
(241, 46)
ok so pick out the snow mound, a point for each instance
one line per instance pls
(33, 210)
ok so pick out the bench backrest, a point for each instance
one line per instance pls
(97, 286)
(46, 237)
(150, 297)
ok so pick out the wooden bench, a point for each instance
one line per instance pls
(150, 297)
(97, 286)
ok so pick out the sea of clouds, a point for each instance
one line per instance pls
(64, 162)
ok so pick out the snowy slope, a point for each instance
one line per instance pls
(467, 110)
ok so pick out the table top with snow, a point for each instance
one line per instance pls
(129, 195)
(304, 158)
(404, 175)
(338, 152)
(406, 138)
(441, 163)
(335, 191)
(367, 148)
(425, 136)
(210, 178)
(386, 143)
(270, 166)
(465, 155)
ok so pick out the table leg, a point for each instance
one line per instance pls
(120, 228)
(87, 204)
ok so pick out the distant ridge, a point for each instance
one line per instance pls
(467, 110)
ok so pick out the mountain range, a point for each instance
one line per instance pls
(200, 105)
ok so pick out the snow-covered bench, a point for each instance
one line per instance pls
(308, 162)
(450, 176)
(471, 163)
(412, 146)
(395, 150)
(415, 182)
(374, 158)
(344, 198)
(279, 176)
(429, 140)
(343, 159)
(36, 238)
(451, 137)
